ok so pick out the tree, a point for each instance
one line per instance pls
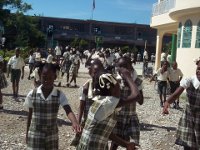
(21, 30)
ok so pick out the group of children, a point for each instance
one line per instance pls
(107, 107)
(102, 108)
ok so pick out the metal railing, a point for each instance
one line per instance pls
(163, 7)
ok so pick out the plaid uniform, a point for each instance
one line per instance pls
(128, 126)
(188, 133)
(95, 134)
(43, 131)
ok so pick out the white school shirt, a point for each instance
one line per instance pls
(62, 99)
(49, 58)
(185, 83)
(162, 76)
(175, 74)
(58, 50)
(31, 59)
(16, 62)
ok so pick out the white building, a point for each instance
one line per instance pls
(181, 19)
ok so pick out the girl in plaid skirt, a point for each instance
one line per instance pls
(101, 116)
(188, 132)
(3, 82)
(43, 103)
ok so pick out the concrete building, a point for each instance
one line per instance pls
(111, 33)
(180, 19)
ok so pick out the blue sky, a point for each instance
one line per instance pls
(128, 11)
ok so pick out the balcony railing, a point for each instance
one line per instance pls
(163, 7)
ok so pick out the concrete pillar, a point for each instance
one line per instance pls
(158, 50)
(173, 48)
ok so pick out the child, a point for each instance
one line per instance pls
(31, 62)
(66, 64)
(127, 126)
(36, 75)
(188, 132)
(43, 103)
(162, 77)
(174, 81)
(16, 66)
(85, 103)
(3, 82)
(101, 117)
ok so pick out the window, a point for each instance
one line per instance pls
(197, 45)
(179, 35)
(187, 34)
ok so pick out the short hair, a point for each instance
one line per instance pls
(50, 66)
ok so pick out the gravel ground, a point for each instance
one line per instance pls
(157, 131)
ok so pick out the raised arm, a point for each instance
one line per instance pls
(135, 94)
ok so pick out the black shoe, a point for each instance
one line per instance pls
(59, 84)
(67, 84)
(161, 104)
(174, 106)
(1, 107)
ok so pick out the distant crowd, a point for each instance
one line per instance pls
(108, 99)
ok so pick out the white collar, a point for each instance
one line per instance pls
(54, 92)
(195, 82)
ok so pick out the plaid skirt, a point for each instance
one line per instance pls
(188, 132)
(96, 134)
(3, 81)
(128, 128)
(42, 139)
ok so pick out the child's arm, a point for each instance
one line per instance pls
(28, 122)
(134, 90)
(171, 99)
(120, 141)
(72, 118)
(81, 110)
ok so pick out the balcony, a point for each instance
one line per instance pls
(163, 7)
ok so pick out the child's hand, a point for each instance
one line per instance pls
(76, 127)
(124, 72)
(131, 146)
(165, 108)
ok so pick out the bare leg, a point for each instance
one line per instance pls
(17, 88)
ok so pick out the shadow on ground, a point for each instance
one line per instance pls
(150, 127)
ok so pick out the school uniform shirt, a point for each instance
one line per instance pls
(58, 50)
(16, 62)
(31, 59)
(162, 76)
(175, 74)
(62, 99)
(49, 58)
(188, 132)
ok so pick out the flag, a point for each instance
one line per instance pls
(93, 5)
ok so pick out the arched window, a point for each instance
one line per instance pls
(187, 34)
(179, 35)
(197, 45)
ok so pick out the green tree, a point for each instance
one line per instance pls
(21, 30)
(83, 44)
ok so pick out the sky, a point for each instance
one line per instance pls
(126, 11)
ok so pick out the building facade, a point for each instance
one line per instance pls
(181, 19)
(110, 34)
